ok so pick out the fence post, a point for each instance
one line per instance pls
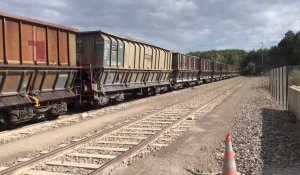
(287, 85)
(280, 86)
(273, 79)
(277, 85)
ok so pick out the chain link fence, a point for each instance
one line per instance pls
(279, 81)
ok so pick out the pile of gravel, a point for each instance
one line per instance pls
(265, 138)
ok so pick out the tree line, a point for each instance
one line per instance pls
(285, 53)
(229, 56)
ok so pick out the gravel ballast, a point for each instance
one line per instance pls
(265, 139)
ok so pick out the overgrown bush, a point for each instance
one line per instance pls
(250, 69)
(295, 77)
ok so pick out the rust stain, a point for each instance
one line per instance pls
(40, 49)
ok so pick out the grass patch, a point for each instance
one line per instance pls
(294, 77)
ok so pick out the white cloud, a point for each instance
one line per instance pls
(183, 25)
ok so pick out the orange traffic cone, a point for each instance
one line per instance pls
(229, 167)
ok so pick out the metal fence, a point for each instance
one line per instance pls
(279, 81)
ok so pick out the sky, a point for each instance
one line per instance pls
(179, 25)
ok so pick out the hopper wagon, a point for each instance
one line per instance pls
(217, 71)
(46, 67)
(206, 70)
(185, 70)
(113, 65)
(37, 68)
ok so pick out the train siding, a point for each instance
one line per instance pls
(38, 62)
(39, 65)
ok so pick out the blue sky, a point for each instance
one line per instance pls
(181, 25)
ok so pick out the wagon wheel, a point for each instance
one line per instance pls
(3, 120)
(72, 105)
(9, 120)
(50, 116)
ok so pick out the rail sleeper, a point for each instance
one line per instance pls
(39, 172)
(96, 156)
(106, 148)
(73, 164)
(116, 142)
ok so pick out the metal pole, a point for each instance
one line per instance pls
(262, 55)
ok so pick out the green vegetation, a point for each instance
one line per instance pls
(294, 77)
(250, 69)
(230, 56)
(285, 53)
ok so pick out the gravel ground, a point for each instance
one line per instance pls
(265, 137)
(192, 104)
(155, 166)
(36, 142)
(70, 119)
(196, 103)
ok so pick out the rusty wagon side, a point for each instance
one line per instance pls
(113, 65)
(224, 69)
(218, 72)
(206, 68)
(185, 70)
(37, 68)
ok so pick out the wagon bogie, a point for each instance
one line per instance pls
(100, 99)
(36, 89)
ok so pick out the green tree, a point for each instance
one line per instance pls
(287, 52)
(286, 48)
(250, 68)
(229, 56)
(296, 51)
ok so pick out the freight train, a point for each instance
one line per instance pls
(45, 66)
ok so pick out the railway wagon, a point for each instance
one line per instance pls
(235, 71)
(217, 73)
(185, 70)
(224, 70)
(231, 71)
(206, 70)
(37, 68)
(112, 65)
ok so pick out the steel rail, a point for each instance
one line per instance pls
(132, 151)
(27, 164)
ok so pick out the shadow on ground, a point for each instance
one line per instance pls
(280, 146)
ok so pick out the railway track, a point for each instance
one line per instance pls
(99, 152)
(67, 120)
